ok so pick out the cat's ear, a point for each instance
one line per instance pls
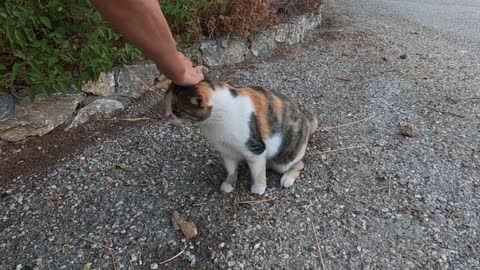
(197, 101)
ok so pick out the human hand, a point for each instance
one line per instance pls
(190, 76)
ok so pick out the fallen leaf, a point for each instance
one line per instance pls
(174, 222)
(121, 166)
(267, 217)
(188, 229)
(87, 266)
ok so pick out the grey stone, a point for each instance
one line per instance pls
(100, 108)
(104, 86)
(134, 80)
(408, 129)
(295, 31)
(263, 43)
(223, 52)
(289, 33)
(39, 117)
(7, 106)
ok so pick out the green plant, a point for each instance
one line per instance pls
(48, 45)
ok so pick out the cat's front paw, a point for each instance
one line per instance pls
(287, 180)
(227, 187)
(258, 189)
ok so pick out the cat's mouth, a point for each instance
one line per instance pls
(162, 118)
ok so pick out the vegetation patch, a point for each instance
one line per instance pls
(50, 45)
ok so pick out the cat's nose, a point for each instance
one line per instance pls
(161, 117)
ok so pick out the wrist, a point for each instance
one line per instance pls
(174, 70)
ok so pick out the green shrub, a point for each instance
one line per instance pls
(46, 45)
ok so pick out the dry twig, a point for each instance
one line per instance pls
(107, 248)
(128, 119)
(343, 79)
(340, 149)
(173, 258)
(446, 112)
(253, 202)
(56, 251)
(308, 207)
(325, 129)
(318, 245)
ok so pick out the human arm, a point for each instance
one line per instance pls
(144, 25)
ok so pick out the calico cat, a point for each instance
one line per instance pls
(248, 123)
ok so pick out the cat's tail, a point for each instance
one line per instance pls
(312, 120)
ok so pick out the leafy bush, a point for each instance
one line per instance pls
(48, 44)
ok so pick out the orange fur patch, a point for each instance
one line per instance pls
(205, 92)
(260, 102)
(278, 107)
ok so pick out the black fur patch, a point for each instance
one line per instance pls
(233, 92)
(273, 121)
(292, 140)
(255, 143)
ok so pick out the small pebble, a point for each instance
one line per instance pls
(408, 129)
(403, 56)
(154, 266)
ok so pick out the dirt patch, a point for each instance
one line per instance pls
(39, 153)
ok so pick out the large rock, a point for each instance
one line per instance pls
(223, 52)
(98, 109)
(134, 80)
(263, 44)
(289, 33)
(39, 117)
(104, 86)
(7, 106)
(295, 31)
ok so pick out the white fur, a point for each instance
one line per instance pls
(228, 130)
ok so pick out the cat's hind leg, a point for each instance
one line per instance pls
(231, 166)
(289, 177)
(258, 169)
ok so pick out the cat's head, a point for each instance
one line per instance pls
(192, 103)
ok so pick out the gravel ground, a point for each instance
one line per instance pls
(372, 197)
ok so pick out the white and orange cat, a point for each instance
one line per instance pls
(247, 123)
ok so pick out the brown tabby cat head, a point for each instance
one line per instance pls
(192, 103)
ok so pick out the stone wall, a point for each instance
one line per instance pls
(227, 51)
(115, 90)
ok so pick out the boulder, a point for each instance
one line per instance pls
(223, 52)
(7, 106)
(104, 86)
(98, 109)
(263, 44)
(39, 117)
(134, 80)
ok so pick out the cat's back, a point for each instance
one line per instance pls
(276, 123)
